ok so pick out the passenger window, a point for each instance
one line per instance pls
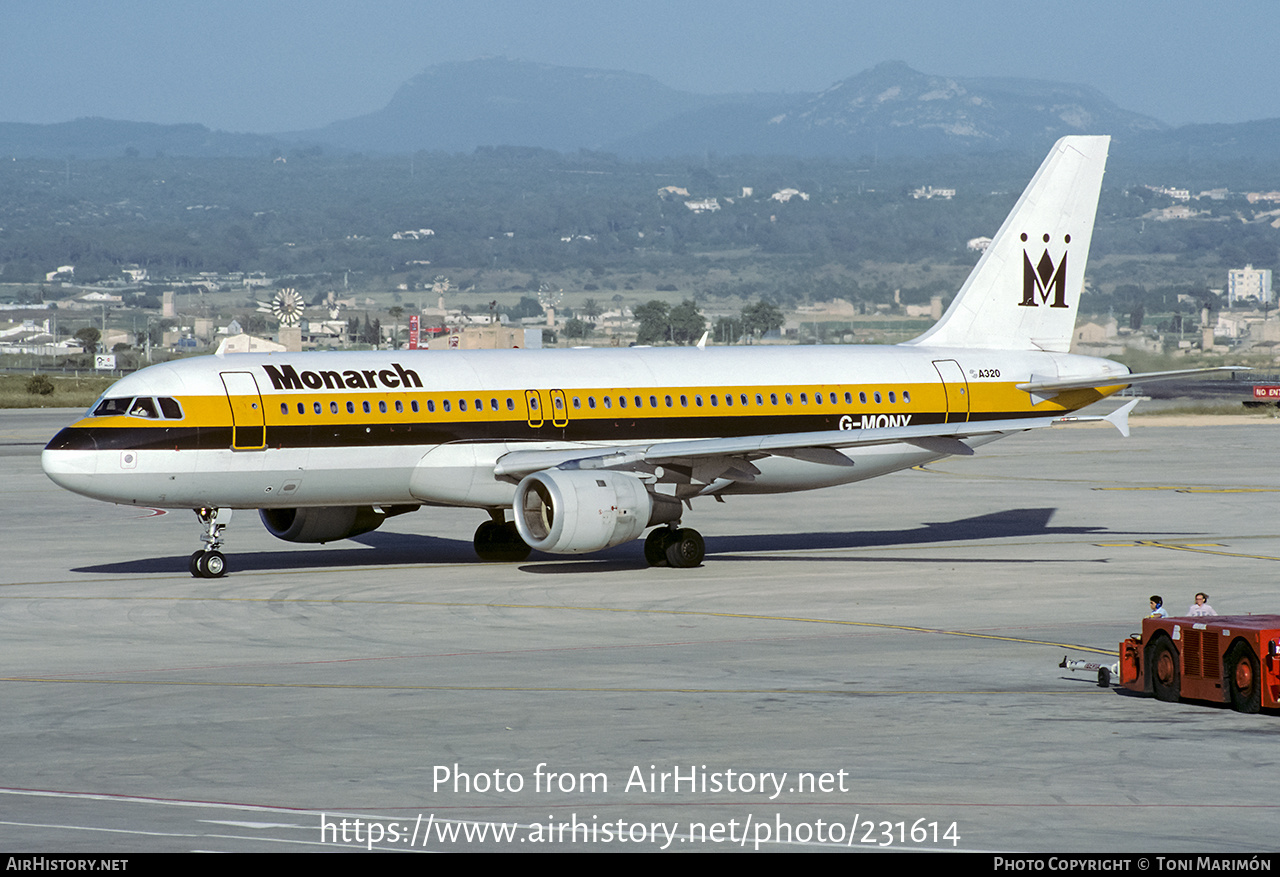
(906, 397)
(511, 405)
(697, 400)
(351, 407)
(382, 406)
(622, 401)
(315, 407)
(788, 398)
(714, 403)
(284, 408)
(653, 401)
(877, 397)
(445, 405)
(804, 398)
(365, 405)
(413, 406)
(301, 410)
(773, 398)
(668, 398)
(728, 399)
(862, 397)
(577, 403)
(462, 404)
(760, 399)
(431, 406)
(817, 397)
(399, 407)
(479, 406)
(684, 401)
(639, 402)
(608, 403)
(893, 397)
(333, 407)
(591, 401)
(493, 404)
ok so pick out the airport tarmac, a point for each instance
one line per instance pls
(862, 667)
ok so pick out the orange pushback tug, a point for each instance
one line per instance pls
(1222, 658)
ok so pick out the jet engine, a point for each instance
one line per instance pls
(328, 523)
(564, 511)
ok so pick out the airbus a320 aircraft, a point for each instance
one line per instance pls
(589, 448)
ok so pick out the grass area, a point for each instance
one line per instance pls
(67, 392)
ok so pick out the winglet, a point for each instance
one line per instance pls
(1120, 417)
(702, 342)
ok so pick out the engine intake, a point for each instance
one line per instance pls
(574, 511)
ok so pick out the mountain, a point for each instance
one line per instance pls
(111, 138)
(888, 110)
(500, 102)
(894, 110)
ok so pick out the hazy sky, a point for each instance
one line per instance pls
(277, 65)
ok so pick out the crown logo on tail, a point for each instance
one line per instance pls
(1044, 279)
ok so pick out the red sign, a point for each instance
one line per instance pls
(413, 331)
(1261, 392)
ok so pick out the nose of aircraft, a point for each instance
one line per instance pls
(69, 464)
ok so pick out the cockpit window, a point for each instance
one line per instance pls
(109, 407)
(144, 406)
(140, 406)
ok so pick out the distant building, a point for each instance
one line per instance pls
(1249, 282)
(1178, 211)
(1175, 194)
(785, 195)
(929, 192)
(243, 343)
(704, 205)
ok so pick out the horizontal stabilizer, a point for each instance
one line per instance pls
(1043, 387)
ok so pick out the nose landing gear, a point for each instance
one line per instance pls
(209, 562)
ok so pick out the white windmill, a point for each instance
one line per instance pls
(287, 307)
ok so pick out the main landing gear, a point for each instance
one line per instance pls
(498, 540)
(671, 546)
(209, 562)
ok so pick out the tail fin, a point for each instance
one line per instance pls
(1024, 291)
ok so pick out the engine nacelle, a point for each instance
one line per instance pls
(563, 511)
(326, 524)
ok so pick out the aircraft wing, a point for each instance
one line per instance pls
(814, 447)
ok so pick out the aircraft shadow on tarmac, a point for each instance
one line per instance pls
(390, 549)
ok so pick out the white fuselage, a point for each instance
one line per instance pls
(341, 429)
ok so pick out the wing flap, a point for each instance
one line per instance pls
(817, 447)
